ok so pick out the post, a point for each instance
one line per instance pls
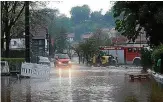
(27, 37)
(140, 39)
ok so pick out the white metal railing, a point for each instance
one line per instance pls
(35, 70)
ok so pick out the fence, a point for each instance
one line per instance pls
(35, 70)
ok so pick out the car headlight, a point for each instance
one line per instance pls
(69, 62)
(59, 63)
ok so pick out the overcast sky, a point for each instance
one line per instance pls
(65, 6)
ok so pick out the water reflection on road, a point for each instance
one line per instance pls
(80, 84)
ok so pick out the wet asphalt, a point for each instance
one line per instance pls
(79, 84)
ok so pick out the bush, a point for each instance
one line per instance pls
(15, 53)
(14, 63)
(146, 60)
(156, 54)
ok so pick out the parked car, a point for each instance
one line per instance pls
(62, 61)
(44, 60)
(4, 68)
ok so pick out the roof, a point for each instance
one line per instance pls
(70, 35)
(119, 40)
(122, 39)
(39, 32)
(86, 36)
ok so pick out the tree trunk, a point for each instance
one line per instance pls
(2, 45)
(144, 69)
(83, 59)
(7, 30)
(79, 58)
(87, 59)
(7, 43)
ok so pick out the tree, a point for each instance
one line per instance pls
(108, 17)
(134, 17)
(91, 46)
(85, 21)
(10, 13)
(80, 13)
(13, 20)
(60, 40)
(97, 17)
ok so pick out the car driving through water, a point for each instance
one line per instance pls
(62, 61)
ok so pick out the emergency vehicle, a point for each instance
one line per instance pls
(125, 55)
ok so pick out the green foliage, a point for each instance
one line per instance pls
(80, 14)
(90, 46)
(81, 22)
(61, 40)
(156, 54)
(14, 63)
(146, 60)
(85, 21)
(132, 17)
(15, 54)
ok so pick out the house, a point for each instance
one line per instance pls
(86, 36)
(70, 37)
(111, 32)
(40, 42)
(17, 43)
(122, 40)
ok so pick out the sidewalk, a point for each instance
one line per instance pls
(158, 77)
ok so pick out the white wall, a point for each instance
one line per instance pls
(17, 43)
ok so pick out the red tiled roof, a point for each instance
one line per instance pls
(122, 39)
(71, 35)
(119, 40)
(86, 36)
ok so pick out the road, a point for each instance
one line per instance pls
(80, 84)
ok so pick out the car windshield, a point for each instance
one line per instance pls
(63, 56)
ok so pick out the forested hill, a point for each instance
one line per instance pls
(83, 20)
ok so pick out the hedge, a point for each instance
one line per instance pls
(146, 60)
(14, 63)
(156, 54)
(14, 54)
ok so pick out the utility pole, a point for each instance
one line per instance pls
(27, 37)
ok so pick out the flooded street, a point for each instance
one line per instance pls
(80, 84)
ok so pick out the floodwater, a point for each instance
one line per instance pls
(80, 84)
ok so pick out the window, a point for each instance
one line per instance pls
(139, 49)
(129, 49)
(134, 49)
(40, 42)
(63, 56)
(14, 43)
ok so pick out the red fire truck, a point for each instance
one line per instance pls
(125, 55)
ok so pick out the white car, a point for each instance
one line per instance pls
(44, 60)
